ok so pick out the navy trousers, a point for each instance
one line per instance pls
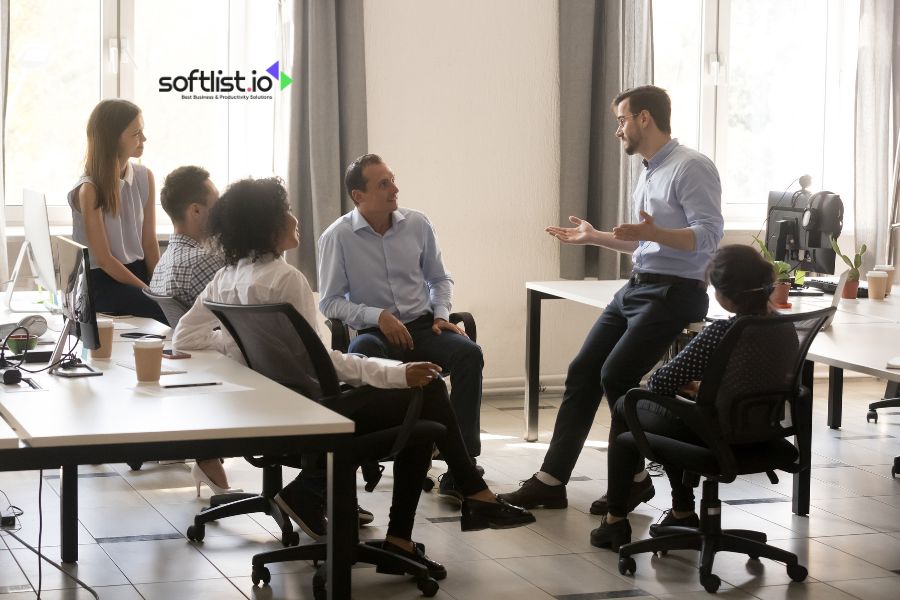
(628, 339)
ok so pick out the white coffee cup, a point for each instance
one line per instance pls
(878, 281)
(148, 359)
(105, 328)
(891, 271)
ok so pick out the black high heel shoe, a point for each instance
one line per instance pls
(477, 515)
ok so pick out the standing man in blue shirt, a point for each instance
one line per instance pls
(381, 273)
(677, 226)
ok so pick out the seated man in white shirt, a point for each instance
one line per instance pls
(381, 273)
(187, 266)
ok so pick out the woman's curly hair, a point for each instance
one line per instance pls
(248, 219)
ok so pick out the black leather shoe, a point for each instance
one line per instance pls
(305, 507)
(447, 487)
(641, 491)
(611, 536)
(436, 570)
(478, 515)
(670, 520)
(533, 493)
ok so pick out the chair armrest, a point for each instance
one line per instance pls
(468, 322)
(689, 413)
(340, 335)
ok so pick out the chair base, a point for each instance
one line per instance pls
(369, 552)
(709, 539)
(890, 400)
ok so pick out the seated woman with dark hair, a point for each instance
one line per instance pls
(253, 225)
(743, 282)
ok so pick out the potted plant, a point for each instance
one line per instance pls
(852, 284)
(783, 279)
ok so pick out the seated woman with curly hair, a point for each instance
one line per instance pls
(253, 225)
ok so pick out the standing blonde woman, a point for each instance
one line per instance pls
(113, 212)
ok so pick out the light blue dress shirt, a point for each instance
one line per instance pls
(362, 273)
(680, 188)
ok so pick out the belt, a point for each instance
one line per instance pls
(639, 278)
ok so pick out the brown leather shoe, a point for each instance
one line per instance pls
(641, 491)
(533, 493)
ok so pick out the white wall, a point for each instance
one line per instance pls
(463, 104)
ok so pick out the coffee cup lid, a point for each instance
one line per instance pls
(103, 322)
(876, 274)
(148, 343)
(885, 268)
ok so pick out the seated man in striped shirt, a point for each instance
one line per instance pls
(187, 265)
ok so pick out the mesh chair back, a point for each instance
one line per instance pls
(755, 371)
(277, 342)
(172, 307)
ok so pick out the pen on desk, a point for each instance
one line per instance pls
(185, 385)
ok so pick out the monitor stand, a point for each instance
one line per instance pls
(24, 252)
(74, 368)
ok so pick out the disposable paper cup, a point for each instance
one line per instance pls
(105, 329)
(891, 270)
(148, 359)
(878, 281)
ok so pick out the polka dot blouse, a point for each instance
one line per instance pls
(691, 362)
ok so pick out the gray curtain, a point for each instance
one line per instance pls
(877, 124)
(328, 116)
(604, 48)
(4, 72)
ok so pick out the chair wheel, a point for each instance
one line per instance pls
(627, 566)
(797, 572)
(872, 416)
(893, 471)
(135, 466)
(290, 538)
(753, 556)
(427, 484)
(196, 533)
(260, 574)
(428, 586)
(710, 582)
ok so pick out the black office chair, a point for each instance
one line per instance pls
(891, 399)
(277, 342)
(172, 307)
(739, 415)
(341, 334)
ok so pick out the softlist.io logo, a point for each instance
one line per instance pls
(217, 85)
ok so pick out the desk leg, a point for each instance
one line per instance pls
(835, 396)
(68, 513)
(532, 363)
(800, 495)
(342, 523)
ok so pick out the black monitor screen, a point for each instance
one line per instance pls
(798, 228)
(73, 284)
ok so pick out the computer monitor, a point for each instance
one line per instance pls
(798, 228)
(74, 284)
(36, 246)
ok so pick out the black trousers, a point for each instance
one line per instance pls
(374, 409)
(622, 457)
(454, 353)
(630, 336)
(111, 296)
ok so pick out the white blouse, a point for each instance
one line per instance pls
(265, 281)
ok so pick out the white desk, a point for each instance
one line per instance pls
(864, 334)
(110, 419)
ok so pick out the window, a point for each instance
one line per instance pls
(66, 55)
(766, 89)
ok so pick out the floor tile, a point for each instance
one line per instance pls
(161, 561)
(879, 549)
(566, 574)
(870, 589)
(209, 589)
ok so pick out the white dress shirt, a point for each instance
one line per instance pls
(266, 281)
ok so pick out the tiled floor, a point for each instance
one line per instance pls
(132, 526)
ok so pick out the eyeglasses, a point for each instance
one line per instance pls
(624, 118)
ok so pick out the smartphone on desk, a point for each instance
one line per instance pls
(136, 335)
(174, 354)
